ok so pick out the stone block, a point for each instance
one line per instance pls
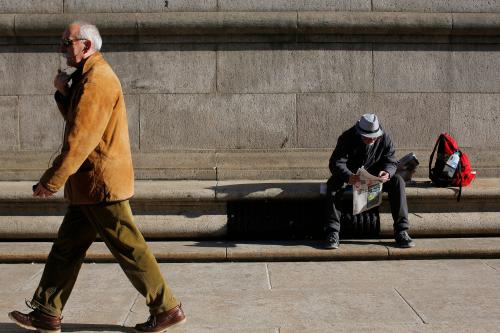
(20, 162)
(132, 105)
(175, 192)
(444, 248)
(474, 120)
(288, 68)
(41, 125)
(31, 6)
(455, 304)
(400, 114)
(412, 68)
(321, 118)
(17, 277)
(131, 6)
(164, 68)
(473, 68)
(481, 24)
(267, 190)
(43, 25)
(446, 224)
(413, 120)
(493, 263)
(7, 25)
(176, 164)
(213, 278)
(436, 6)
(217, 121)
(189, 251)
(182, 227)
(54, 25)
(216, 23)
(27, 70)
(376, 275)
(273, 164)
(374, 23)
(9, 127)
(294, 5)
(254, 251)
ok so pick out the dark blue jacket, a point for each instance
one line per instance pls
(351, 153)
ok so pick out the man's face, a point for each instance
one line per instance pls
(369, 141)
(72, 47)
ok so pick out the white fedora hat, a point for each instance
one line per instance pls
(368, 126)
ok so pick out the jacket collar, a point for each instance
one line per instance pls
(90, 62)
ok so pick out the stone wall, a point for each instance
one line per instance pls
(260, 89)
(156, 6)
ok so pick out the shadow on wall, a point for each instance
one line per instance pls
(113, 44)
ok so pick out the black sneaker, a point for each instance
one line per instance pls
(332, 240)
(403, 240)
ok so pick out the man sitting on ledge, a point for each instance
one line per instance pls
(366, 144)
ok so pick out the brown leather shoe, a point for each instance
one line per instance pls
(160, 323)
(37, 320)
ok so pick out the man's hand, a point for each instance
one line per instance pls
(41, 192)
(353, 179)
(61, 82)
(383, 175)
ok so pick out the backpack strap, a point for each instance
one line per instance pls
(432, 155)
(460, 176)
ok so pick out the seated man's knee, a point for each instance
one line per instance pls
(396, 182)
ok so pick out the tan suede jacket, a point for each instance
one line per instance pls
(95, 163)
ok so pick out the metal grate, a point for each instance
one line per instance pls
(292, 219)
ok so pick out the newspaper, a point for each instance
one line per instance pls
(367, 193)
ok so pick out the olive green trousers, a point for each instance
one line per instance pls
(113, 222)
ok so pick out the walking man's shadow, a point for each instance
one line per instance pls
(13, 328)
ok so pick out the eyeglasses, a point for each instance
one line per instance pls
(68, 42)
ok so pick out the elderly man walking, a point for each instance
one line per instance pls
(366, 145)
(95, 167)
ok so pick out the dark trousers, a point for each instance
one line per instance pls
(395, 188)
(114, 224)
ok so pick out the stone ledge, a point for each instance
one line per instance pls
(196, 225)
(243, 164)
(212, 191)
(267, 23)
(377, 249)
(167, 226)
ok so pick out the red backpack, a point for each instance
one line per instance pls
(452, 167)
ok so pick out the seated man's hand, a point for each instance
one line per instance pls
(353, 179)
(383, 175)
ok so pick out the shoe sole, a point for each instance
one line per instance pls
(331, 247)
(179, 323)
(32, 328)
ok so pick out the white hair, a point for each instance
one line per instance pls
(90, 32)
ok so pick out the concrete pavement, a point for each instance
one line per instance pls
(284, 297)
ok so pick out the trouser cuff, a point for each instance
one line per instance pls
(45, 309)
(163, 308)
(401, 227)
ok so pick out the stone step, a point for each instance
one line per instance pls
(160, 194)
(191, 251)
(216, 225)
(152, 226)
(199, 209)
